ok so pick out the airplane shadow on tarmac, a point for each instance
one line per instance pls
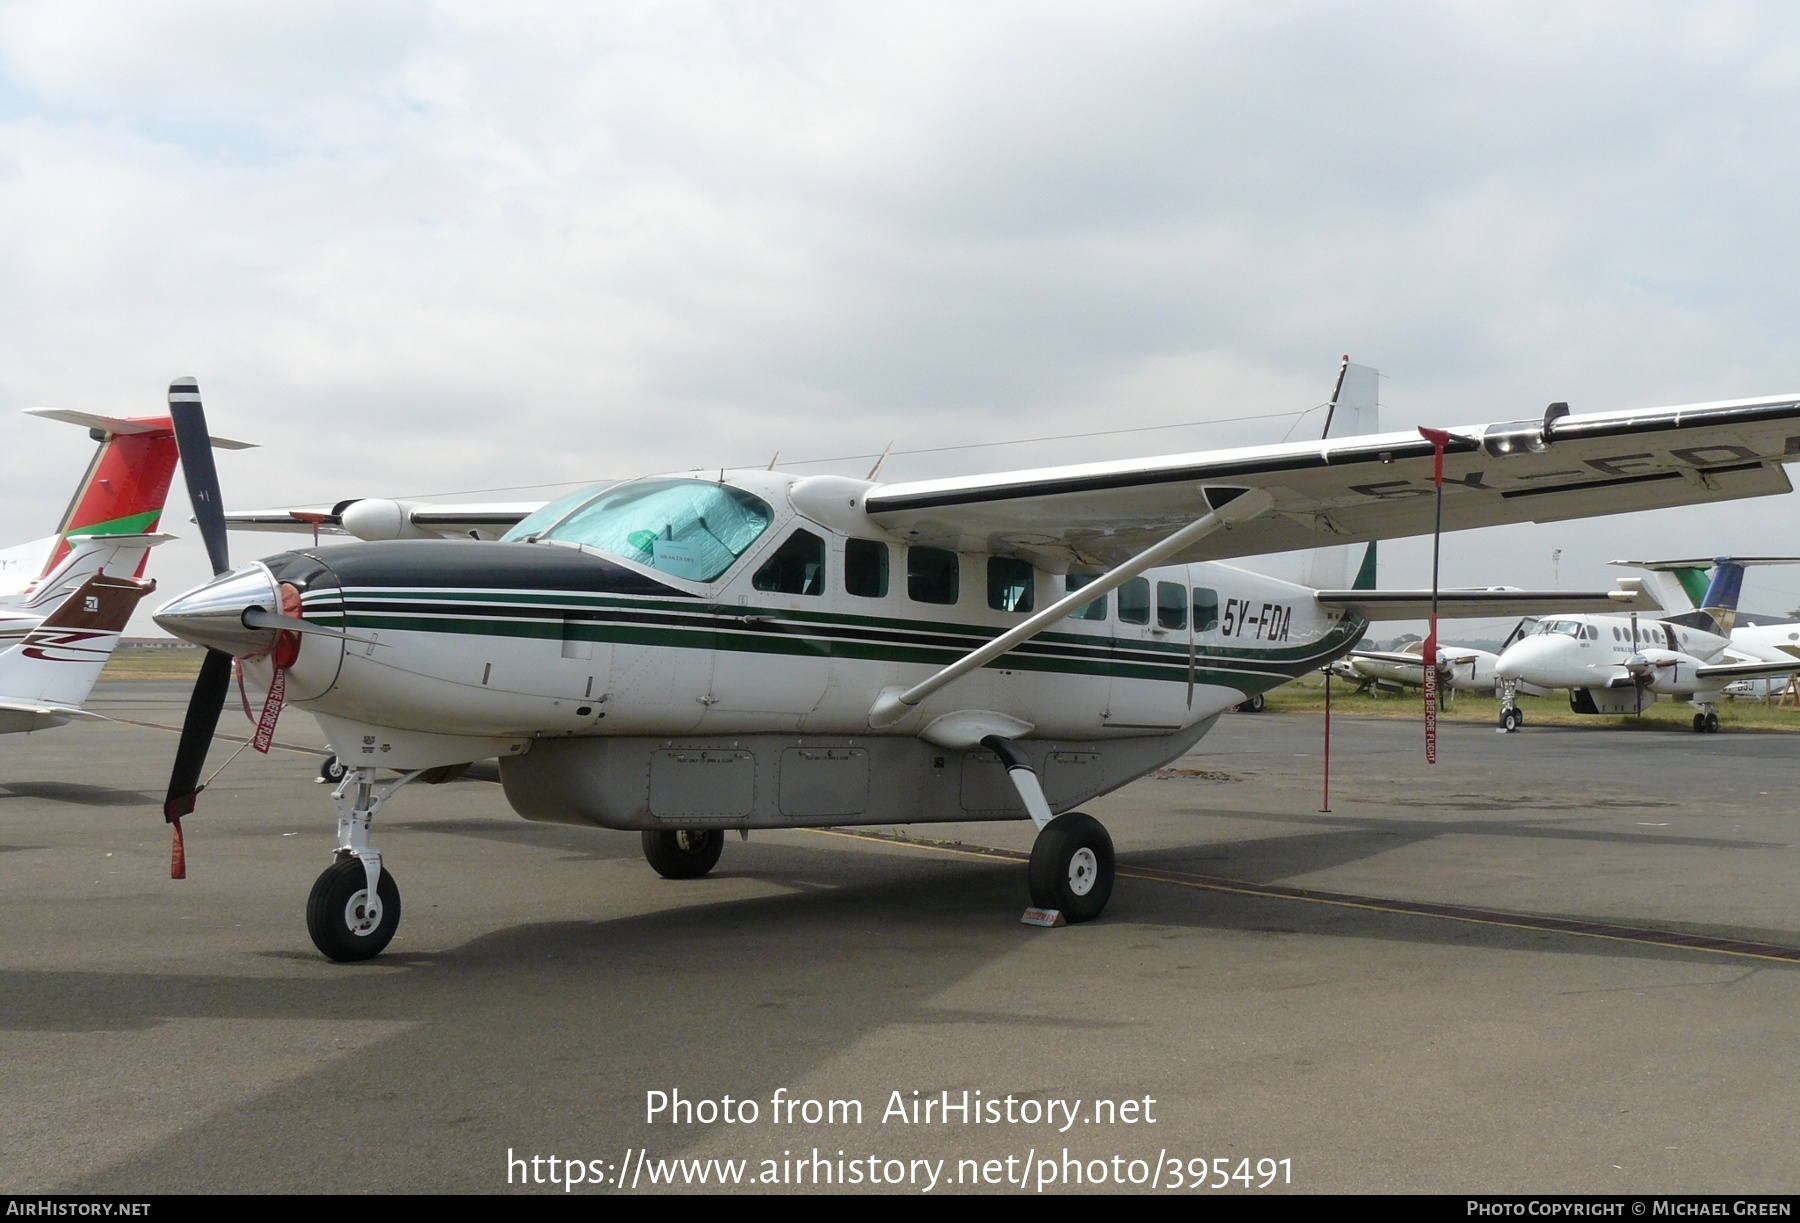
(544, 1036)
(74, 792)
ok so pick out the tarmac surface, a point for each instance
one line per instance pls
(1343, 991)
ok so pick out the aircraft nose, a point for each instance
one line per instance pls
(1517, 659)
(213, 615)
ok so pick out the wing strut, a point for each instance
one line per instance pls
(1229, 506)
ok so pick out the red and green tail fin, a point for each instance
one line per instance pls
(125, 486)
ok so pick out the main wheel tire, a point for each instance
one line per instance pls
(1072, 867)
(343, 925)
(1510, 721)
(1253, 705)
(1699, 724)
(1712, 722)
(687, 853)
(333, 770)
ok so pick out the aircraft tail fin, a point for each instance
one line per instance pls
(1717, 599)
(125, 485)
(1353, 412)
(59, 660)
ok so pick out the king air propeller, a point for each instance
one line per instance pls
(232, 614)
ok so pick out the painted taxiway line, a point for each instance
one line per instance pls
(1410, 908)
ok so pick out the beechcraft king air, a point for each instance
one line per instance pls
(1623, 664)
(684, 655)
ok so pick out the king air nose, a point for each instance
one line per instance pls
(1520, 657)
(220, 614)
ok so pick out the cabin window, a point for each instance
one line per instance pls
(932, 575)
(1134, 601)
(1171, 605)
(1206, 609)
(690, 529)
(797, 568)
(1095, 610)
(1010, 583)
(866, 568)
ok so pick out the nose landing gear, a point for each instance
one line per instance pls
(354, 908)
(345, 922)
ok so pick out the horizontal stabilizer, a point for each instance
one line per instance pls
(1707, 562)
(140, 541)
(63, 713)
(1493, 601)
(125, 426)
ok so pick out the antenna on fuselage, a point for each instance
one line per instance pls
(876, 470)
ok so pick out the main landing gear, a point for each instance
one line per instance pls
(354, 908)
(685, 854)
(1706, 722)
(1072, 867)
(1511, 717)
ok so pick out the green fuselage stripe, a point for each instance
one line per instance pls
(1105, 656)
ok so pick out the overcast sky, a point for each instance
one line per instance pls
(416, 249)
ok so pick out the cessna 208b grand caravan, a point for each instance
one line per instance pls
(687, 655)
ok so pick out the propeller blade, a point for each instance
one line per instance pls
(210, 691)
(195, 445)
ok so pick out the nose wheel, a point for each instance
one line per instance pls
(1510, 720)
(345, 921)
(354, 908)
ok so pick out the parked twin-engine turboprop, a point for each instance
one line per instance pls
(683, 656)
(1622, 665)
(1460, 668)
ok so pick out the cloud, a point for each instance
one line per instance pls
(432, 247)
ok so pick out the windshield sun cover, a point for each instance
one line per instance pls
(689, 529)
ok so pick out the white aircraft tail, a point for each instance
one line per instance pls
(54, 668)
(88, 556)
(1354, 412)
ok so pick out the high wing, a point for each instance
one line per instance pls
(1361, 488)
(1497, 601)
(378, 518)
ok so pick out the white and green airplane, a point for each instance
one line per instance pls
(685, 655)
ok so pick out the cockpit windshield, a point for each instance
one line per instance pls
(1559, 628)
(691, 529)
